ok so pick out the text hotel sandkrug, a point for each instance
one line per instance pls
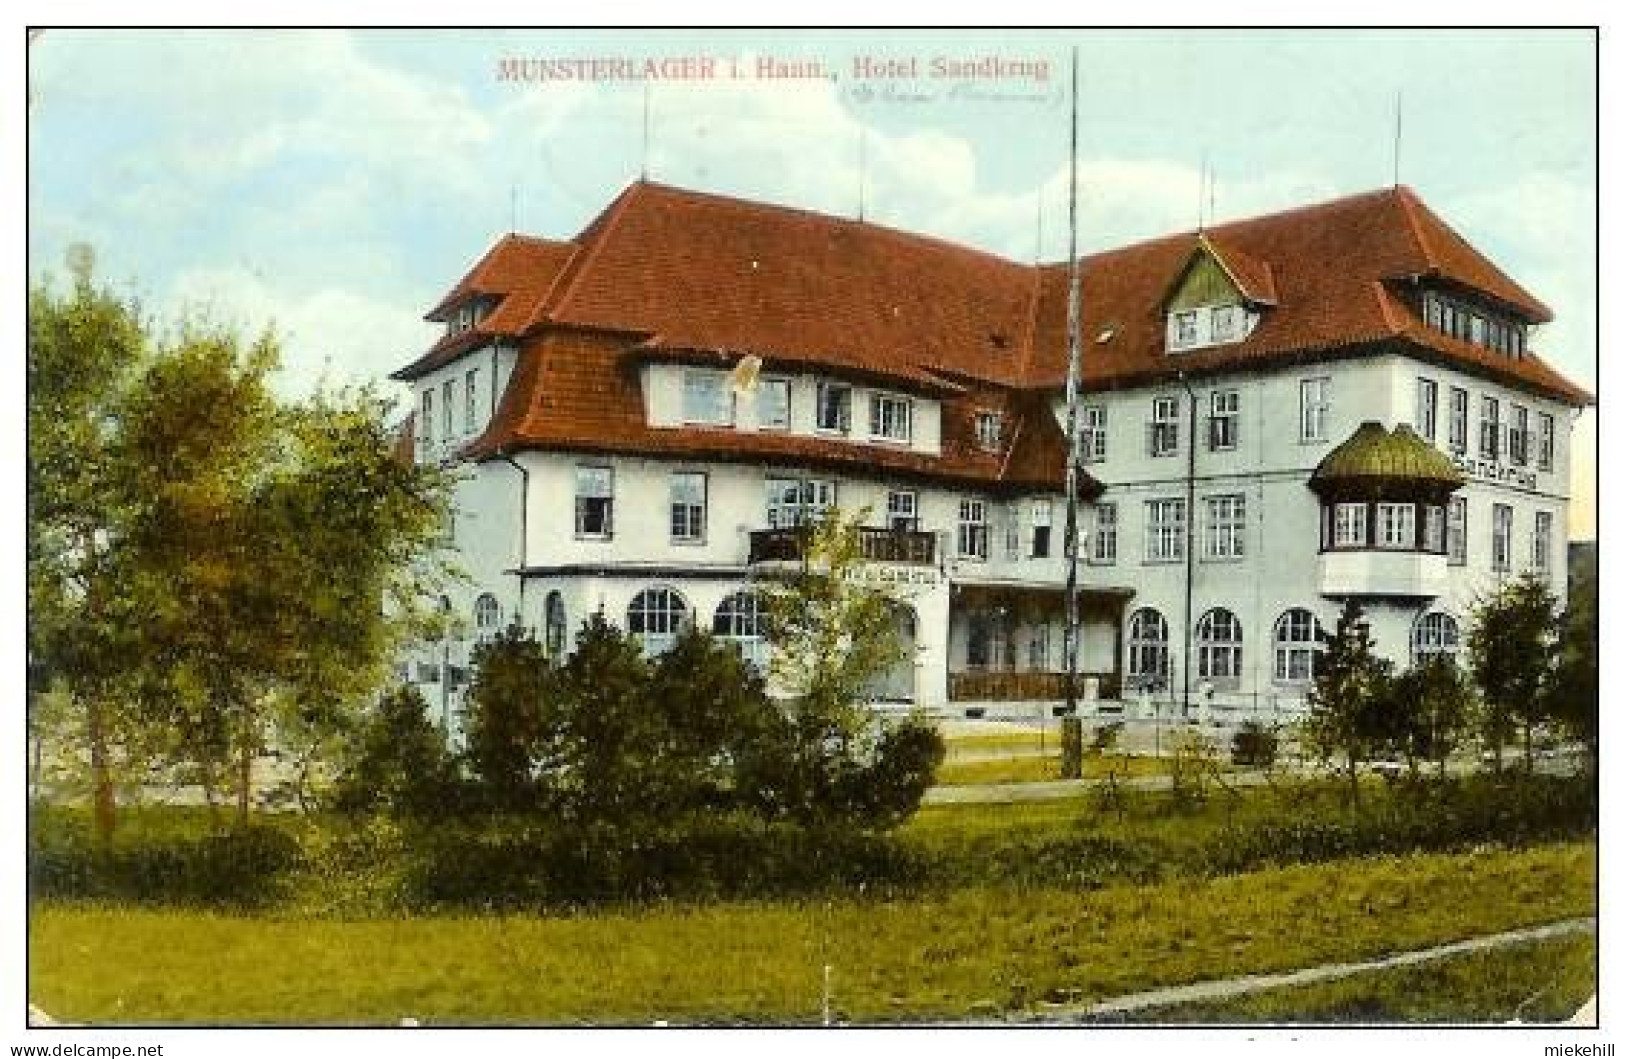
(770, 68)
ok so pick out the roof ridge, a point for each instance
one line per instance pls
(832, 218)
(1408, 202)
(606, 221)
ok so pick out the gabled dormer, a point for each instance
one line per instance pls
(1216, 299)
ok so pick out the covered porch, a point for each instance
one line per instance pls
(1007, 643)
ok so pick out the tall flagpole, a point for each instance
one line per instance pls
(1074, 307)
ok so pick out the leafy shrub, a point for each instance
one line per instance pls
(401, 764)
(244, 867)
(528, 865)
(1253, 745)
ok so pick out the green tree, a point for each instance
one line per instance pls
(507, 738)
(718, 724)
(604, 726)
(1511, 649)
(204, 558)
(1435, 706)
(84, 348)
(832, 635)
(401, 764)
(1574, 699)
(1350, 699)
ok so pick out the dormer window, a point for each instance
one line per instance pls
(467, 315)
(989, 430)
(1185, 329)
(1226, 319)
(1473, 324)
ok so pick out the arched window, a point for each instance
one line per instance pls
(654, 619)
(487, 617)
(1298, 639)
(1218, 646)
(554, 627)
(738, 622)
(1435, 634)
(1148, 649)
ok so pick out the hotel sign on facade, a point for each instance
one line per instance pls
(1492, 471)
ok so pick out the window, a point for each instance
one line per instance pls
(1105, 543)
(1042, 512)
(654, 619)
(448, 393)
(1225, 320)
(1433, 529)
(1226, 527)
(1184, 329)
(426, 425)
(1148, 649)
(707, 397)
(1012, 530)
(1458, 419)
(890, 418)
(1218, 646)
(1489, 428)
(1093, 442)
(554, 625)
(688, 507)
(1164, 426)
(972, 536)
(595, 502)
(773, 404)
(903, 510)
(835, 407)
(487, 618)
(1164, 531)
(1543, 453)
(1456, 531)
(1501, 546)
(989, 429)
(1312, 406)
(1427, 408)
(471, 386)
(988, 642)
(1433, 310)
(1396, 526)
(1298, 639)
(1224, 426)
(1518, 436)
(1541, 547)
(738, 622)
(794, 501)
(1038, 649)
(1348, 526)
(1435, 634)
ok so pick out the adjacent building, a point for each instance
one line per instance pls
(1278, 414)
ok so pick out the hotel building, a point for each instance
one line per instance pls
(1277, 414)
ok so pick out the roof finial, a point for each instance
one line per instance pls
(513, 209)
(1038, 239)
(863, 164)
(1399, 130)
(1201, 193)
(643, 164)
(1212, 193)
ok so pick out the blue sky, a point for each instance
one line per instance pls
(337, 182)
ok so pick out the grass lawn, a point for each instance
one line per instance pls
(1539, 982)
(1030, 768)
(969, 951)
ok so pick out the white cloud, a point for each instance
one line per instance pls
(331, 335)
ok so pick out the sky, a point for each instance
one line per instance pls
(336, 183)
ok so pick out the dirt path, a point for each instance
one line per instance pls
(1225, 989)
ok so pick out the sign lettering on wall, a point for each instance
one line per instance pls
(880, 574)
(1491, 471)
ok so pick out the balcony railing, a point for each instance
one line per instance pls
(1006, 686)
(878, 545)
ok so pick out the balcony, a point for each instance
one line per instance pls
(908, 547)
(1008, 686)
(1398, 574)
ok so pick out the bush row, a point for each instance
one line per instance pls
(376, 865)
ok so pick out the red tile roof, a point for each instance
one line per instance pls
(670, 273)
